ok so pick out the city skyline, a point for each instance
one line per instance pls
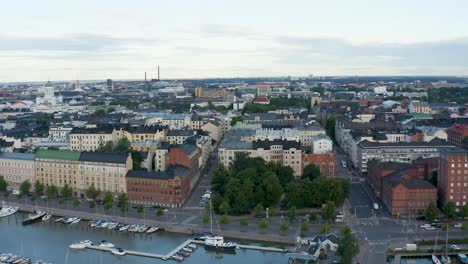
(120, 40)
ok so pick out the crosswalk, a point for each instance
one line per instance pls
(376, 243)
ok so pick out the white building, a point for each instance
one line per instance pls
(321, 144)
(60, 134)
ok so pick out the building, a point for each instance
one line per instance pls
(142, 133)
(419, 107)
(402, 152)
(105, 170)
(90, 139)
(179, 136)
(59, 133)
(46, 96)
(453, 176)
(456, 134)
(17, 168)
(403, 195)
(325, 161)
(321, 144)
(261, 100)
(110, 84)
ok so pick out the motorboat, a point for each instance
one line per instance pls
(445, 259)
(216, 243)
(46, 217)
(60, 220)
(184, 254)
(435, 259)
(152, 230)
(187, 249)
(462, 258)
(8, 210)
(77, 246)
(32, 218)
(70, 220)
(177, 257)
(76, 221)
(105, 244)
(118, 251)
(112, 225)
(142, 229)
(192, 246)
(87, 243)
(124, 228)
(202, 236)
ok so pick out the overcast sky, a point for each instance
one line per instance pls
(121, 39)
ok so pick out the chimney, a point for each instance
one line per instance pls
(158, 74)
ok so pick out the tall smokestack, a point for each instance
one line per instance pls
(158, 74)
(145, 76)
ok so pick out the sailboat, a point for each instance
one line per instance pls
(445, 257)
(435, 259)
(216, 242)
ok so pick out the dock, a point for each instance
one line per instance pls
(398, 256)
(180, 247)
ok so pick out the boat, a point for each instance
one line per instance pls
(435, 260)
(77, 246)
(142, 229)
(112, 225)
(184, 254)
(87, 243)
(94, 223)
(104, 243)
(118, 251)
(462, 258)
(186, 249)
(202, 236)
(152, 230)
(192, 246)
(177, 257)
(124, 228)
(8, 210)
(445, 259)
(46, 217)
(216, 243)
(34, 218)
(77, 220)
(60, 220)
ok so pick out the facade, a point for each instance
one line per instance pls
(403, 195)
(178, 136)
(143, 133)
(325, 161)
(456, 134)
(89, 139)
(419, 107)
(321, 144)
(403, 152)
(453, 176)
(59, 134)
(17, 168)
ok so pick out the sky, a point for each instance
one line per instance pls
(123, 39)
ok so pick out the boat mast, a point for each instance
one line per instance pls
(211, 219)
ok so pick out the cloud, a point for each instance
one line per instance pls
(68, 43)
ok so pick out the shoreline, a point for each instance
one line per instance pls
(187, 229)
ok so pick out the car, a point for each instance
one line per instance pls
(458, 225)
(436, 225)
(454, 247)
(425, 226)
(421, 217)
(165, 210)
(430, 228)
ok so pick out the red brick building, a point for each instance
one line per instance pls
(403, 195)
(453, 176)
(456, 134)
(326, 162)
(170, 187)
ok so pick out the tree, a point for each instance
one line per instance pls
(325, 229)
(108, 146)
(259, 210)
(39, 188)
(464, 211)
(236, 119)
(123, 145)
(140, 209)
(272, 189)
(224, 220)
(100, 113)
(3, 184)
(33, 198)
(312, 217)
(445, 227)
(51, 191)
(284, 227)
(330, 127)
(25, 187)
(450, 210)
(432, 212)
(311, 171)
(206, 218)
(136, 159)
(244, 222)
(224, 207)
(92, 204)
(292, 213)
(263, 224)
(304, 227)
(66, 191)
(160, 212)
(348, 246)
(329, 211)
(92, 192)
(123, 203)
(108, 200)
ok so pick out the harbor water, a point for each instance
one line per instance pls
(49, 241)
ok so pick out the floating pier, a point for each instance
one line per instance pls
(180, 247)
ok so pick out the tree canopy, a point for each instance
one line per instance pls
(3, 184)
(25, 187)
(315, 193)
(432, 212)
(348, 247)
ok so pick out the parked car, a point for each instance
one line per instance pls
(436, 225)
(430, 228)
(425, 226)
(458, 225)
(454, 247)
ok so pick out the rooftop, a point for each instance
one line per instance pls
(17, 156)
(58, 154)
(106, 157)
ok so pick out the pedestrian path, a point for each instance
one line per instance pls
(374, 243)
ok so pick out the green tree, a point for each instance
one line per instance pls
(244, 222)
(206, 218)
(312, 217)
(123, 202)
(33, 198)
(284, 227)
(136, 159)
(272, 189)
(330, 127)
(263, 224)
(160, 212)
(25, 187)
(108, 200)
(108, 146)
(3, 184)
(294, 195)
(51, 191)
(236, 119)
(464, 211)
(450, 210)
(259, 210)
(292, 213)
(224, 207)
(348, 247)
(311, 171)
(329, 211)
(224, 220)
(325, 229)
(123, 145)
(39, 188)
(219, 180)
(445, 227)
(140, 209)
(92, 192)
(66, 191)
(100, 113)
(432, 212)
(304, 227)
(92, 204)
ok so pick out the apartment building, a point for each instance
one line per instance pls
(457, 133)
(143, 133)
(17, 168)
(89, 139)
(60, 133)
(453, 176)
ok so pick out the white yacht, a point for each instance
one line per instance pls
(46, 217)
(216, 243)
(77, 246)
(105, 244)
(75, 221)
(118, 251)
(8, 210)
